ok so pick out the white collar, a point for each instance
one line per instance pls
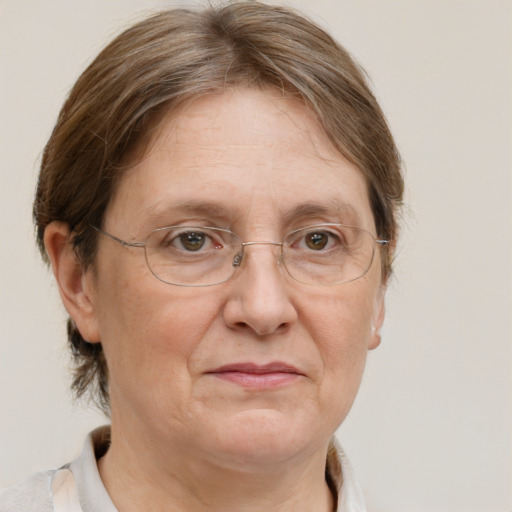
(77, 487)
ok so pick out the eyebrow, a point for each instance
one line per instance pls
(207, 209)
(341, 210)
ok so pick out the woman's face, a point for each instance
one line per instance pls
(259, 368)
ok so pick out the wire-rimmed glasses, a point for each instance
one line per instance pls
(322, 254)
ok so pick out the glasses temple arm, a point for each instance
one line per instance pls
(118, 240)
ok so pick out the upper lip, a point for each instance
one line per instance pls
(245, 367)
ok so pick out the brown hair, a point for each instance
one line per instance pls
(175, 56)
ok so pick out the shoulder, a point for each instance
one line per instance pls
(73, 487)
(31, 495)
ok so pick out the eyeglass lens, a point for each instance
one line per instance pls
(203, 256)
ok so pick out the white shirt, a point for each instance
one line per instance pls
(77, 487)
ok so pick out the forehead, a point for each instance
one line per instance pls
(239, 154)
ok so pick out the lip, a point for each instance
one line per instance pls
(258, 377)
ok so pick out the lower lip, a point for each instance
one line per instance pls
(258, 381)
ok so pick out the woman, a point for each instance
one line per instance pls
(218, 202)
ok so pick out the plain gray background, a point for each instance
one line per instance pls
(431, 430)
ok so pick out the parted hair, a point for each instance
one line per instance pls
(173, 57)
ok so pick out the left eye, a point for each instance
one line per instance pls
(317, 241)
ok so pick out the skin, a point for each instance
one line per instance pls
(183, 438)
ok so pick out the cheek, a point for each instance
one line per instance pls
(344, 317)
(149, 329)
(340, 325)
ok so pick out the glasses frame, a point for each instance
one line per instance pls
(237, 262)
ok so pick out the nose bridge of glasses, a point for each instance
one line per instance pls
(245, 244)
(237, 260)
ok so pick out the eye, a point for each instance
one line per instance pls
(321, 240)
(190, 241)
(317, 241)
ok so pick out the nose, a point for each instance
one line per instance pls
(259, 300)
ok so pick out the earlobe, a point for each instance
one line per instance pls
(74, 282)
(379, 313)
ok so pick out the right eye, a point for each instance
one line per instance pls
(191, 241)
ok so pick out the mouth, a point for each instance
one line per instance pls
(258, 377)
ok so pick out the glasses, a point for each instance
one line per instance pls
(323, 254)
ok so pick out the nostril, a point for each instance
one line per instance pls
(263, 331)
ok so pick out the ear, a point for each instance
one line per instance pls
(379, 312)
(75, 283)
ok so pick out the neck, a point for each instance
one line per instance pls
(175, 480)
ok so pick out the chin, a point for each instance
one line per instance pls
(259, 437)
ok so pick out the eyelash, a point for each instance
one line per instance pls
(298, 239)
